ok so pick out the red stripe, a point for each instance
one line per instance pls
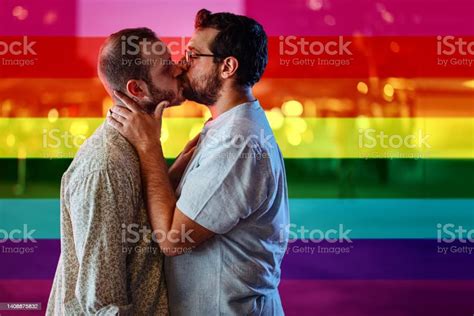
(73, 57)
(25, 291)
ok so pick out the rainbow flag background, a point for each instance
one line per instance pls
(372, 104)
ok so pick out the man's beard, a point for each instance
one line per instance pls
(156, 96)
(205, 89)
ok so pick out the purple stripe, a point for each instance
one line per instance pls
(367, 259)
(408, 259)
(388, 298)
(366, 17)
(39, 263)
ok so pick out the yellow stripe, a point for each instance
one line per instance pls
(297, 137)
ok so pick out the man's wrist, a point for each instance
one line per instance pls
(148, 147)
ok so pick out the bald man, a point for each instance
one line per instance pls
(109, 263)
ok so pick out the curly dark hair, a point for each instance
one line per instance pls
(241, 37)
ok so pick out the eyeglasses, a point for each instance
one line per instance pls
(189, 55)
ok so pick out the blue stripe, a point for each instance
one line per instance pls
(366, 218)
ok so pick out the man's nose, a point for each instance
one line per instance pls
(183, 64)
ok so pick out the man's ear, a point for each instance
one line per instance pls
(229, 67)
(137, 89)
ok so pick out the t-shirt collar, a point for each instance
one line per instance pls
(228, 113)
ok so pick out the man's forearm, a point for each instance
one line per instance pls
(161, 199)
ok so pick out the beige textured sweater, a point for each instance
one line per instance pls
(107, 266)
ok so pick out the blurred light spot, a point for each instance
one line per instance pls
(388, 98)
(298, 124)
(53, 115)
(394, 47)
(20, 13)
(11, 140)
(388, 90)
(362, 87)
(50, 17)
(275, 118)
(468, 84)
(7, 106)
(329, 20)
(292, 108)
(362, 122)
(387, 17)
(293, 138)
(79, 128)
(401, 83)
(315, 5)
(335, 104)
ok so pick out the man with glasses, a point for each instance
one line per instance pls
(231, 205)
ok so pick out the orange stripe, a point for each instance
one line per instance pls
(423, 97)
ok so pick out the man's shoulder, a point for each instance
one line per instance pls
(105, 151)
(245, 127)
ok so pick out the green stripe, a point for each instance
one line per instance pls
(365, 218)
(307, 178)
